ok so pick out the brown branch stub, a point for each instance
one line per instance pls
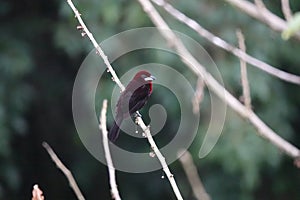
(37, 193)
(111, 169)
(65, 171)
(297, 162)
(191, 172)
(244, 76)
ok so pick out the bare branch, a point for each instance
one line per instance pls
(198, 97)
(244, 76)
(274, 22)
(64, 170)
(260, 4)
(139, 119)
(110, 165)
(286, 10)
(226, 46)
(262, 10)
(37, 193)
(86, 31)
(219, 90)
(160, 157)
(191, 172)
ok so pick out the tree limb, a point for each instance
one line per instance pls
(86, 31)
(274, 22)
(219, 90)
(145, 129)
(244, 76)
(191, 172)
(288, 77)
(160, 157)
(198, 96)
(110, 165)
(64, 170)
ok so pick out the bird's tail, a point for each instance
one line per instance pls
(115, 130)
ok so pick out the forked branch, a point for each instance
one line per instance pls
(186, 57)
(219, 42)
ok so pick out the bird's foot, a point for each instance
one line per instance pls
(137, 114)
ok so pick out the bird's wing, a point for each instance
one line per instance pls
(123, 103)
(138, 99)
(133, 98)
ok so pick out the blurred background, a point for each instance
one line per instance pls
(40, 54)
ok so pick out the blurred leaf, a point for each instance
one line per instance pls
(293, 27)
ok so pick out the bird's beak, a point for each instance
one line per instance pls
(150, 78)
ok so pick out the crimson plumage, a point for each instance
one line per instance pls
(132, 99)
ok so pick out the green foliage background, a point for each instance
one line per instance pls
(41, 52)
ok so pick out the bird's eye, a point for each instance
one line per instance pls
(143, 76)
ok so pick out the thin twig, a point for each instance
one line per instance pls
(274, 22)
(261, 7)
(64, 170)
(198, 96)
(260, 4)
(186, 57)
(84, 28)
(139, 119)
(286, 10)
(225, 45)
(110, 165)
(160, 157)
(262, 10)
(191, 172)
(244, 76)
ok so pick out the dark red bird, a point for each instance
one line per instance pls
(131, 100)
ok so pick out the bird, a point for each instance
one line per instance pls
(131, 100)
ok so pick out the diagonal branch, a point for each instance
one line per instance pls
(186, 57)
(262, 10)
(86, 31)
(110, 165)
(191, 172)
(226, 46)
(145, 129)
(160, 157)
(64, 170)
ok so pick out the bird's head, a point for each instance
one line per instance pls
(144, 76)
